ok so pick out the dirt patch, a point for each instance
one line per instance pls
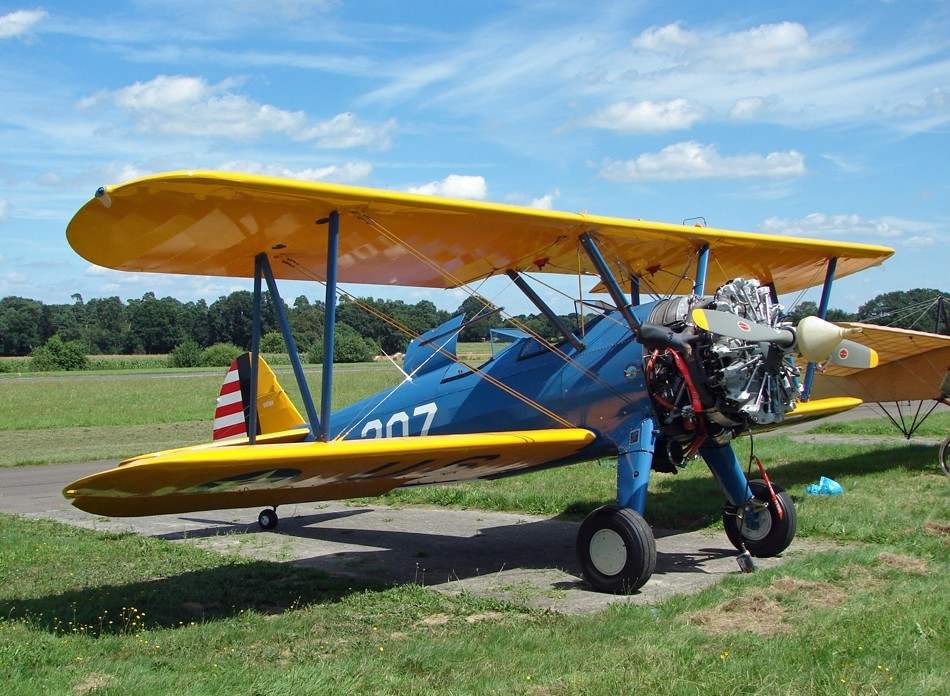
(434, 620)
(937, 528)
(485, 616)
(753, 613)
(761, 613)
(815, 594)
(907, 564)
(93, 682)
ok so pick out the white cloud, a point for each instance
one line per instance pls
(855, 227)
(4, 210)
(919, 241)
(762, 47)
(185, 105)
(692, 160)
(665, 38)
(747, 108)
(545, 202)
(347, 172)
(454, 186)
(20, 22)
(835, 74)
(647, 116)
(119, 173)
(842, 163)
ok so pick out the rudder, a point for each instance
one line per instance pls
(275, 410)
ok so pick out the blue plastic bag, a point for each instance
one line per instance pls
(825, 486)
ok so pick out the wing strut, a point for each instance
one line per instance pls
(822, 313)
(545, 309)
(329, 328)
(255, 349)
(616, 294)
(262, 261)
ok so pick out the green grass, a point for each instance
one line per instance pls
(135, 615)
(17, 366)
(168, 396)
(937, 424)
(186, 620)
(57, 445)
(888, 491)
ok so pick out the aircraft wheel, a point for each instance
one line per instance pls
(267, 519)
(616, 550)
(771, 534)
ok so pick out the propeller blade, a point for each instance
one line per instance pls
(728, 324)
(851, 354)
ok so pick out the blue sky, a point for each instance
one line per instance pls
(818, 119)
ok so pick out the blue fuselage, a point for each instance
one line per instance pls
(451, 398)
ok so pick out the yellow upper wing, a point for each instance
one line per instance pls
(211, 477)
(214, 223)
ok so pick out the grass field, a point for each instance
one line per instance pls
(84, 612)
(117, 613)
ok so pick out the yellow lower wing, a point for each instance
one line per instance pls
(240, 475)
(805, 411)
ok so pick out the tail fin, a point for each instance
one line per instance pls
(275, 410)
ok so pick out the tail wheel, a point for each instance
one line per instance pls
(267, 519)
(616, 550)
(765, 533)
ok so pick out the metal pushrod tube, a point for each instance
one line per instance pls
(313, 421)
(255, 351)
(616, 294)
(329, 327)
(545, 309)
(822, 313)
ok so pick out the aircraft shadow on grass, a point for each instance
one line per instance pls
(689, 504)
(396, 557)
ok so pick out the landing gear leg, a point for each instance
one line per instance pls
(756, 522)
(615, 545)
(267, 519)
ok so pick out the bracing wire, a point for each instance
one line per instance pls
(528, 401)
(382, 229)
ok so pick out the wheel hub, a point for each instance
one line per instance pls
(608, 552)
(757, 524)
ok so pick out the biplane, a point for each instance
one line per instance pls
(650, 383)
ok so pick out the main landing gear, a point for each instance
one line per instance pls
(267, 519)
(616, 550)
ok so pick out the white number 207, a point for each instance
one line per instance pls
(398, 423)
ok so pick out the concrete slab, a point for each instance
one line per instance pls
(521, 558)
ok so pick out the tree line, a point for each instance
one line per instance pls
(153, 325)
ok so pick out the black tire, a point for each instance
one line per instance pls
(628, 536)
(779, 531)
(267, 519)
(944, 456)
